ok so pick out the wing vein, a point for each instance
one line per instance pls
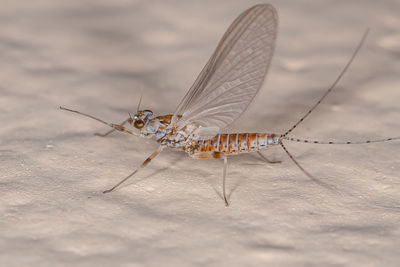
(234, 73)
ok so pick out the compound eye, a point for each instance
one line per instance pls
(139, 124)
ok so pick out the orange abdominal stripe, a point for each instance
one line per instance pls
(232, 144)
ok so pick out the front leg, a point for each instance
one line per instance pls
(112, 130)
(112, 125)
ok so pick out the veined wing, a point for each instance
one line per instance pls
(234, 74)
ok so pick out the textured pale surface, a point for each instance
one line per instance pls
(96, 56)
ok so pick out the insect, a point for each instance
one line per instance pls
(223, 90)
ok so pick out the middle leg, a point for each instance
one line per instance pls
(223, 180)
(141, 166)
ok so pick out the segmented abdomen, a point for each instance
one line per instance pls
(236, 143)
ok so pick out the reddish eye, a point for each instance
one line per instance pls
(139, 124)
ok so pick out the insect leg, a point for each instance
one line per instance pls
(112, 130)
(144, 164)
(267, 160)
(223, 180)
(112, 125)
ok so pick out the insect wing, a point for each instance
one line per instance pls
(234, 74)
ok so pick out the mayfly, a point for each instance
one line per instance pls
(224, 89)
